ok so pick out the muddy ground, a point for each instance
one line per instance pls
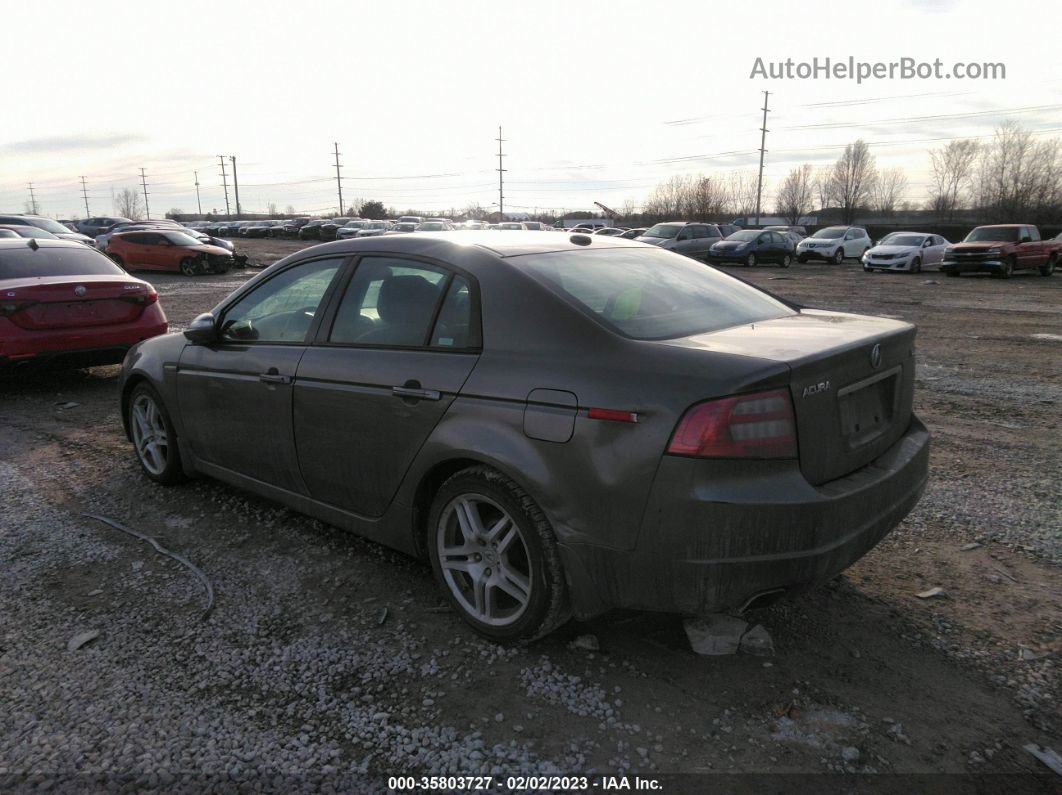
(329, 655)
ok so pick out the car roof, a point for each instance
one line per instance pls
(500, 243)
(23, 242)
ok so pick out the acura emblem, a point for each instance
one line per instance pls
(80, 290)
(875, 356)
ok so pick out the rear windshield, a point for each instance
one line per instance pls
(25, 263)
(648, 294)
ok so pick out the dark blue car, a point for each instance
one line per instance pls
(752, 247)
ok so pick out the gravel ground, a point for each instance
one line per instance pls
(329, 661)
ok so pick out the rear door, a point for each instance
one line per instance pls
(235, 397)
(391, 356)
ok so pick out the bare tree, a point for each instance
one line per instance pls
(128, 203)
(669, 198)
(705, 199)
(797, 194)
(889, 189)
(289, 210)
(272, 210)
(1017, 177)
(741, 189)
(853, 179)
(824, 186)
(952, 168)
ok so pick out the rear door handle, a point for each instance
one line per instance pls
(273, 376)
(416, 393)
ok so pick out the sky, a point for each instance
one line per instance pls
(598, 101)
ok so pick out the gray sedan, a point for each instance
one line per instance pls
(561, 424)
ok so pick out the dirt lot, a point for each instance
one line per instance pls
(329, 656)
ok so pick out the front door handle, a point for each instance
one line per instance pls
(273, 376)
(416, 393)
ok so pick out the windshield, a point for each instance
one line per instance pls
(649, 294)
(902, 240)
(25, 263)
(431, 227)
(356, 225)
(33, 231)
(748, 234)
(663, 230)
(831, 232)
(181, 239)
(1007, 234)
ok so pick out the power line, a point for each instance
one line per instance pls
(763, 143)
(339, 181)
(84, 195)
(935, 117)
(225, 184)
(143, 182)
(235, 185)
(501, 177)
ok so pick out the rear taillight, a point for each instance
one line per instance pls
(760, 425)
(8, 308)
(143, 298)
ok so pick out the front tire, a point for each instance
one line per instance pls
(1008, 268)
(750, 261)
(154, 437)
(802, 259)
(916, 265)
(787, 260)
(1048, 267)
(495, 557)
(838, 256)
(189, 267)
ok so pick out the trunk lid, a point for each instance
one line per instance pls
(850, 403)
(55, 302)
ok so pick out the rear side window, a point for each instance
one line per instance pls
(25, 263)
(649, 294)
(390, 302)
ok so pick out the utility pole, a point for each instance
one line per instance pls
(84, 195)
(225, 184)
(339, 181)
(235, 185)
(198, 201)
(143, 182)
(763, 142)
(33, 199)
(501, 178)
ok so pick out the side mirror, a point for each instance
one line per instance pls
(203, 330)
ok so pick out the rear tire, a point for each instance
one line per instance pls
(1049, 267)
(495, 557)
(153, 435)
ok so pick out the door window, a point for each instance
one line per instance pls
(390, 302)
(454, 329)
(282, 309)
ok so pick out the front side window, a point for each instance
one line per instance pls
(283, 308)
(650, 294)
(390, 302)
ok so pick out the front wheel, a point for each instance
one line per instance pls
(1048, 267)
(154, 437)
(916, 265)
(495, 557)
(802, 259)
(838, 256)
(750, 261)
(1007, 270)
(189, 267)
(787, 260)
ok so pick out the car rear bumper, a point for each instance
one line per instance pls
(719, 534)
(89, 343)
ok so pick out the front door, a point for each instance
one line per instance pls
(235, 397)
(400, 345)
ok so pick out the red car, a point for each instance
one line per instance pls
(165, 250)
(64, 301)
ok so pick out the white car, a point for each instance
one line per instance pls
(373, 229)
(834, 244)
(905, 251)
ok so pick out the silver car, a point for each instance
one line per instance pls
(905, 251)
(691, 239)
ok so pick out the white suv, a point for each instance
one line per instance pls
(834, 243)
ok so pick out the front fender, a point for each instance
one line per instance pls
(154, 361)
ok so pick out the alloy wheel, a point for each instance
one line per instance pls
(750, 261)
(484, 560)
(188, 267)
(786, 261)
(149, 434)
(838, 256)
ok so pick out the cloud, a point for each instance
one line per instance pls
(69, 143)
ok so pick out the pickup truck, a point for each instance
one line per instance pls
(1000, 250)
